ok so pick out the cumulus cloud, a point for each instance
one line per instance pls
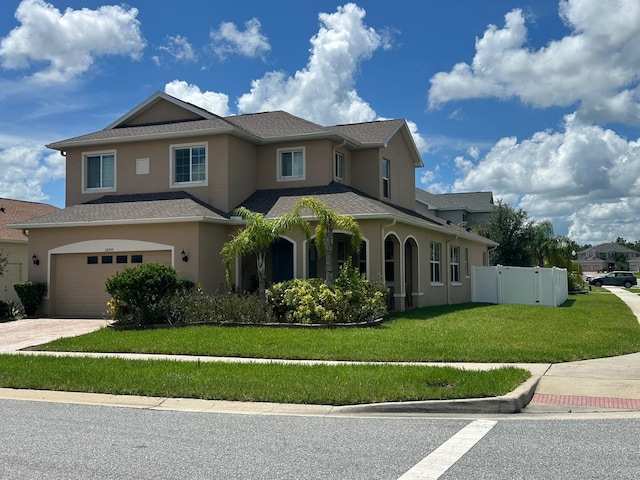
(26, 167)
(324, 91)
(227, 39)
(68, 42)
(214, 102)
(596, 66)
(179, 49)
(570, 176)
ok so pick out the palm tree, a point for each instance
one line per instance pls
(256, 237)
(328, 220)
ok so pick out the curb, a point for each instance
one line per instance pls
(513, 402)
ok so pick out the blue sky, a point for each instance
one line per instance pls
(538, 101)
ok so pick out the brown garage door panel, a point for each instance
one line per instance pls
(79, 286)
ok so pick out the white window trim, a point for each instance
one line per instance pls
(435, 262)
(335, 165)
(172, 163)
(83, 179)
(385, 161)
(279, 151)
(453, 248)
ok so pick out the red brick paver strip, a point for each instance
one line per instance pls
(581, 401)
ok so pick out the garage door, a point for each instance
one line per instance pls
(79, 279)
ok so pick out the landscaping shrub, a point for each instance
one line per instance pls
(31, 295)
(137, 293)
(195, 307)
(353, 299)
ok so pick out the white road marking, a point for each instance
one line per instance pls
(443, 457)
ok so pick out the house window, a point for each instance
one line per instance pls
(466, 262)
(99, 171)
(121, 259)
(189, 165)
(291, 164)
(434, 260)
(389, 270)
(107, 259)
(386, 167)
(455, 264)
(136, 258)
(92, 260)
(339, 166)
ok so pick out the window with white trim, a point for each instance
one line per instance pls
(434, 260)
(99, 171)
(454, 262)
(291, 164)
(189, 164)
(339, 166)
(386, 168)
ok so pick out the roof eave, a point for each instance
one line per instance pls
(128, 221)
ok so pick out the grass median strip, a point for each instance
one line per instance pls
(303, 384)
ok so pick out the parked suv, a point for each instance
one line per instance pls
(618, 279)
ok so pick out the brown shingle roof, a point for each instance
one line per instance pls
(273, 203)
(15, 211)
(377, 133)
(276, 124)
(157, 207)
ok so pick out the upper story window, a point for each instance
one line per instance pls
(189, 164)
(291, 164)
(99, 171)
(339, 166)
(386, 167)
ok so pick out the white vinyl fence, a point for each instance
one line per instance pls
(522, 285)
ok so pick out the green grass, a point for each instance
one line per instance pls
(317, 384)
(594, 325)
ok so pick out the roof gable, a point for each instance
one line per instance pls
(161, 108)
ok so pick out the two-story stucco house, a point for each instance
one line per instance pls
(466, 209)
(160, 184)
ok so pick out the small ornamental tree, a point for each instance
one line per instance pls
(328, 220)
(136, 293)
(256, 237)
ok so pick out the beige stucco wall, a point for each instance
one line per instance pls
(216, 192)
(162, 112)
(201, 242)
(243, 171)
(318, 164)
(366, 172)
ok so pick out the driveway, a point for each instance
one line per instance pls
(36, 331)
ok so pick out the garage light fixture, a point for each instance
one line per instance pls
(184, 256)
(36, 260)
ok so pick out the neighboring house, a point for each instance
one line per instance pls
(604, 257)
(13, 243)
(465, 209)
(161, 182)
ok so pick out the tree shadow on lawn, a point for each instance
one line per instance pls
(428, 313)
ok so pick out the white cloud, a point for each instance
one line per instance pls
(248, 43)
(570, 176)
(596, 65)
(180, 49)
(324, 91)
(68, 43)
(26, 167)
(217, 103)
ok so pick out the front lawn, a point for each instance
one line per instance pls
(593, 325)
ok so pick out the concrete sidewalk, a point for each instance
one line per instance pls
(587, 386)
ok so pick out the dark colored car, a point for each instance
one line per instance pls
(617, 279)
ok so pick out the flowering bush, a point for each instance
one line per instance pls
(353, 299)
